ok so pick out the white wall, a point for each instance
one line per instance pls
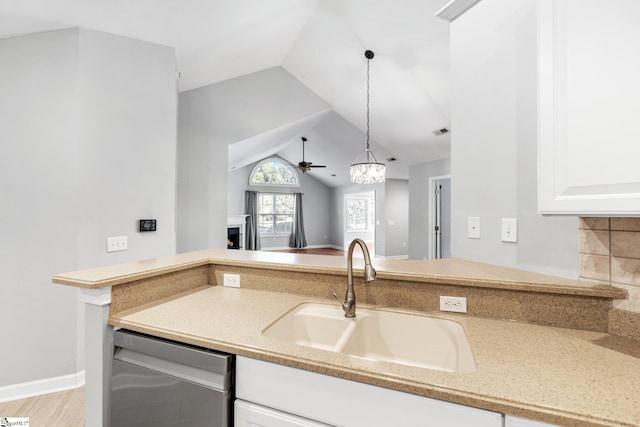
(419, 207)
(127, 129)
(493, 154)
(87, 147)
(210, 119)
(39, 185)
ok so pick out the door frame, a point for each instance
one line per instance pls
(431, 237)
(345, 239)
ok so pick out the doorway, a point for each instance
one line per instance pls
(440, 217)
(360, 219)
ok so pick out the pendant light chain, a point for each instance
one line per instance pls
(369, 171)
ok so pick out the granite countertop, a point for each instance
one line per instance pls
(450, 271)
(561, 376)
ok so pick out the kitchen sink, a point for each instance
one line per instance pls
(312, 325)
(376, 334)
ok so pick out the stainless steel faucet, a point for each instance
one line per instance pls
(349, 303)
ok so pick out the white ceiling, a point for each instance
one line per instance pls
(320, 42)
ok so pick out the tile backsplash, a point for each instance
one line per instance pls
(610, 253)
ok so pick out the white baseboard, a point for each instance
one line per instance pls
(40, 387)
(284, 248)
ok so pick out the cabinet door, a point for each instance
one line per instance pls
(337, 401)
(248, 414)
(588, 107)
(511, 421)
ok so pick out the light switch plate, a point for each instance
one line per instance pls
(509, 232)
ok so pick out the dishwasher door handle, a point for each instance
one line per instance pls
(189, 373)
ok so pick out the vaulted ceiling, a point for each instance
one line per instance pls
(320, 42)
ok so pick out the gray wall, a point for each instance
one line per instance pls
(392, 204)
(316, 201)
(237, 184)
(419, 198)
(396, 217)
(87, 148)
(210, 119)
(493, 166)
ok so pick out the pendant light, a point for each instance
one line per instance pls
(365, 169)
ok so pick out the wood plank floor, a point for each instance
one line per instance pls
(61, 409)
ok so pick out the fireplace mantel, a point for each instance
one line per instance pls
(237, 219)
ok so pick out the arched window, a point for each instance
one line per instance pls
(274, 172)
(275, 208)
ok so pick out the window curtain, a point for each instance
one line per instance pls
(298, 239)
(253, 231)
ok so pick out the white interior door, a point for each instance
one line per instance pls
(360, 219)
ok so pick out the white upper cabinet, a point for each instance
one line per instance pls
(589, 107)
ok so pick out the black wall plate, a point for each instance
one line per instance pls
(147, 225)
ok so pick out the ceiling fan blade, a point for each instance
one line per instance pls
(316, 166)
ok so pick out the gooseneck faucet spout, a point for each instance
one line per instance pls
(349, 303)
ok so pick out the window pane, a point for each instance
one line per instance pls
(276, 213)
(360, 213)
(266, 223)
(284, 223)
(284, 203)
(273, 172)
(266, 203)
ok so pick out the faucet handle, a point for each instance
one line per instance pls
(339, 300)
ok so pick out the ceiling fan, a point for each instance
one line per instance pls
(305, 166)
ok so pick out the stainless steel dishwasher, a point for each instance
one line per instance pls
(157, 382)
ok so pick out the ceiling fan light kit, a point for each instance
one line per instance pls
(369, 171)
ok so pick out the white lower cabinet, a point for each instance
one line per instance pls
(247, 414)
(273, 395)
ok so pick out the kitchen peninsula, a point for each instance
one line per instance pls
(540, 343)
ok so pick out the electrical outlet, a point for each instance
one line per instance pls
(473, 227)
(455, 304)
(232, 280)
(119, 243)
